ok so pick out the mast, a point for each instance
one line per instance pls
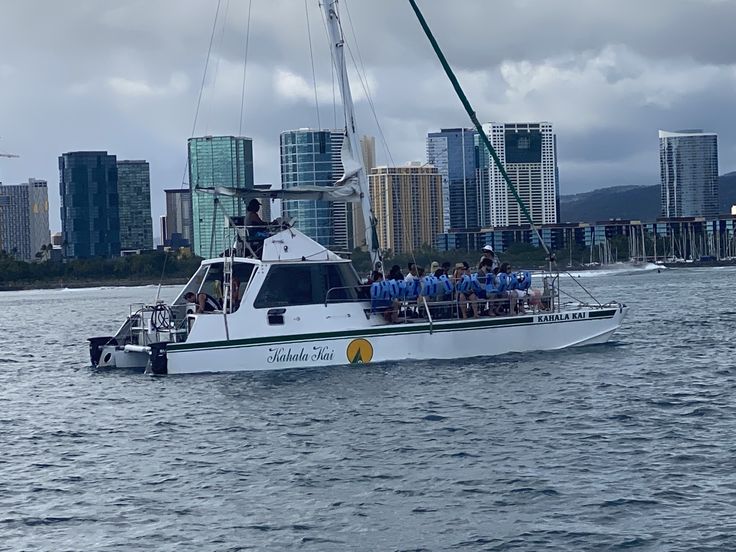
(337, 44)
(474, 118)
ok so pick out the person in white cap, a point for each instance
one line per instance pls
(489, 254)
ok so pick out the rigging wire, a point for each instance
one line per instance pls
(245, 65)
(363, 74)
(311, 59)
(201, 86)
(217, 67)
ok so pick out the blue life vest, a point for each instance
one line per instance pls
(475, 284)
(503, 282)
(491, 284)
(512, 282)
(379, 295)
(412, 288)
(445, 284)
(523, 280)
(429, 286)
(463, 284)
(394, 291)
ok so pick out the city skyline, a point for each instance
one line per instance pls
(606, 92)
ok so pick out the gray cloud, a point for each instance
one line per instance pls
(125, 77)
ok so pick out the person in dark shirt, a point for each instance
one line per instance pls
(204, 302)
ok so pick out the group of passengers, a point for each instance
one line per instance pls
(493, 290)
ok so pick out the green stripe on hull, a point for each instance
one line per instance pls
(403, 329)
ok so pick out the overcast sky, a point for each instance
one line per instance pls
(124, 77)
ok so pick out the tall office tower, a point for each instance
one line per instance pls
(24, 219)
(311, 157)
(163, 229)
(407, 202)
(90, 222)
(688, 162)
(454, 152)
(368, 148)
(217, 161)
(528, 151)
(134, 205)
(179, 214)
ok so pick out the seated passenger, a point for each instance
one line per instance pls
(204, 302)
(465, 291)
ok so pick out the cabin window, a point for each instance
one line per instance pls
(306, 284)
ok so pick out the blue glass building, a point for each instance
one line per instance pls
(90, 223)
(217, 161)
(311, 157)
(455, 154)
(689, 173)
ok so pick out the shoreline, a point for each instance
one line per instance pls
(78, 284)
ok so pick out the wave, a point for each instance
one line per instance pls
(616, 269)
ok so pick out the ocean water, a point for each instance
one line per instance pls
(624, 446)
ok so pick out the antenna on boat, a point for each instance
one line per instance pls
(351, 151)
(476, 123)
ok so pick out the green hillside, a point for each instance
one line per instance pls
(630, 202)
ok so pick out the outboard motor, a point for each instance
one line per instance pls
(95, 347)
(157, 362)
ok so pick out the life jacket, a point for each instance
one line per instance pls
(503, 282)
(463, 284)
(380, 295)
(491, 284)
(512, 282)
(413, 287)
(429, 286)
(475, 284)
(394, 290)
(523, 280)
(445, 284)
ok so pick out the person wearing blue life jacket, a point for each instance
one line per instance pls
(381, 300)
(464, 287)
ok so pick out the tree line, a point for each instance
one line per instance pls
(146, 267)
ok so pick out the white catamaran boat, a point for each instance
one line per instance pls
(288, 302)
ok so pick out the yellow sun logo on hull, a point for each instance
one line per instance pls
(359, 350)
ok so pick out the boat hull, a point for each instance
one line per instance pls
(418, 341)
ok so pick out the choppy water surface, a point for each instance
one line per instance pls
(623, 446)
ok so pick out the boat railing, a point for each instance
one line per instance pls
(448, 306)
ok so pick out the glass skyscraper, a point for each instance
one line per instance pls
(179, 214)
(688, 163)
(455, 154)
(90, 223)
(217, 161)
(311, 157)
(134, 205)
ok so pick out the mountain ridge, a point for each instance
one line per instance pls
(631, 202)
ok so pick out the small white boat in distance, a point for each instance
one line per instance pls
(288, 302)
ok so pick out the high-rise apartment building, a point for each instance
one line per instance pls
(455, 154)
(407, 202)
(528, 151)
(311, 157)
(178, 215)
(217, 161)
(134, 205)
(688, 163)
(24, 219)
(90, 222)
